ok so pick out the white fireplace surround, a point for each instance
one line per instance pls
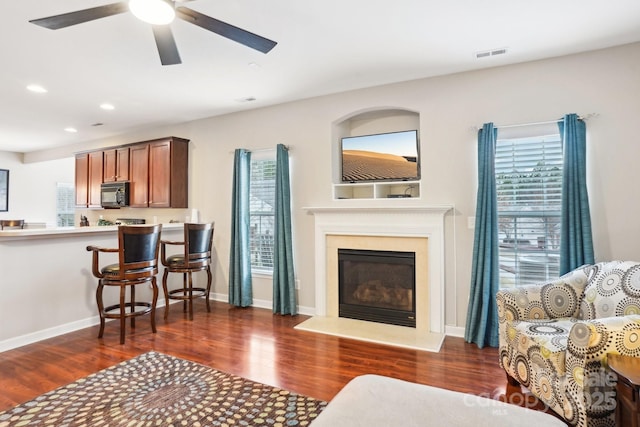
(422, 221)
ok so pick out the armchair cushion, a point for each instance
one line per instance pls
(613, 291)
(545, 341)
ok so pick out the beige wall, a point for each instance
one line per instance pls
(606, 82)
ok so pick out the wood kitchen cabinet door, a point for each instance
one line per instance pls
(116, 165)
(95, 179)
(160, 174)
(168, 170)
(179, 173)
(82, 180)
(122, 164)
(139, 176)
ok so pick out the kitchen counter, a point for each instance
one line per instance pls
(40, 233)
(48, 270)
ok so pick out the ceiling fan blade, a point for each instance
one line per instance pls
(72, 18)
(229, 31)
(166, 44)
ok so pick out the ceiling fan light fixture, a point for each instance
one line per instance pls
(155, 12)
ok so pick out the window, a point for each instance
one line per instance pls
(65, 205)
(529, 193)
(262, 197)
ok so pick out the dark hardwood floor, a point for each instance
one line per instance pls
(252, 343)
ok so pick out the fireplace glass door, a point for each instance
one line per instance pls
(377, 286)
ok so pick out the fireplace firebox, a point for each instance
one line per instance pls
(377, 286)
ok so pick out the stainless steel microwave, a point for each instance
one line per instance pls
(114, 194)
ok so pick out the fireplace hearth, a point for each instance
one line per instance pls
(377, 286)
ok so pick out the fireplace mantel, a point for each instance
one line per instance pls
(388, 221)
(438, 210)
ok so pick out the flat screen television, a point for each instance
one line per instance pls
(393, 156)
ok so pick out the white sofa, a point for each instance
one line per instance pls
(377, 401)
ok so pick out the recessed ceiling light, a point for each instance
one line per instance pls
(107, 106)
(71, 130)
(254, 65)
(36, 88)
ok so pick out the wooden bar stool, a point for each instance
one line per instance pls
(138, 247)
(198, 239)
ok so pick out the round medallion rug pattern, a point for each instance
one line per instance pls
(156, 389)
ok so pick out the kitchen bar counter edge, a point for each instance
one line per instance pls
(40, 233)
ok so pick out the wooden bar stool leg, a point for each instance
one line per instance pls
(122, 313)
(209, 279)
(190, 296)
(154, 301)
(100, 307)
(133, 306)
(166, 293)
(184, 292)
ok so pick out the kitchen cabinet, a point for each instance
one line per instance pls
(82, 180)
(168, 173)
(139, 176)
(157, 172)
(116, 165)
(88, 179)
(95, 178)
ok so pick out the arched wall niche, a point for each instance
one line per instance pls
(366, 122)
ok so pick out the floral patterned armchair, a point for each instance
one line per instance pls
(555, 337)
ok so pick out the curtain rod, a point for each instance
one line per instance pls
(257, 150)
(585, 117)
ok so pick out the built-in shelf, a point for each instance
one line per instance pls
(377, 190)
(370, 122)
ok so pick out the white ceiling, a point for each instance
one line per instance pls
(324, 46)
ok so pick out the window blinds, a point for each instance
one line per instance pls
(529, 194)
(262, 209)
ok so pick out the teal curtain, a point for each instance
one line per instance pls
(240, 292)
(482, 314)
(284, 287)
(576, 243)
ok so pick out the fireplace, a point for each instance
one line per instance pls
(377, 286)
(417, 229)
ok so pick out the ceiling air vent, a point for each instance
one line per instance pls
(493, 52)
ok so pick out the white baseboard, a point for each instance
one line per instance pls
(454, 331)
(263, 303)
(44, 334)
(307, 311)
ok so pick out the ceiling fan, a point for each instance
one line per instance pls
(165, 42)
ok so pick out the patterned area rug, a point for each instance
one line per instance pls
(155, 389)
